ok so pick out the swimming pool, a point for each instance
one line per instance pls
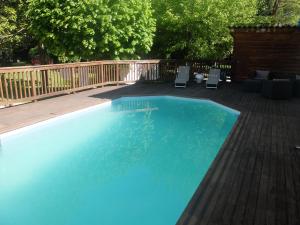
(132, 161)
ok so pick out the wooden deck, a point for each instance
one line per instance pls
(255, 179)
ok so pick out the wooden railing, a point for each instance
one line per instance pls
(30, 83)
(21, 84)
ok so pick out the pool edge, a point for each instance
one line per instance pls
(190, 208)
(109, 102)
(227, 108)
(53, 119)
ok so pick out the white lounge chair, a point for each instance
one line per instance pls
(183, 76)
(213, 78)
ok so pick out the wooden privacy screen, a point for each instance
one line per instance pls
(28, 83)
(276, 49)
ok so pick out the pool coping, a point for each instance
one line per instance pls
(185, 216)
(108, 102)
(229, 109)
(50, 120)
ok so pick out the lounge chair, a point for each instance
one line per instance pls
(213, 78)
(183, 76)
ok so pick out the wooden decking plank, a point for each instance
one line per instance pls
(295, 167)
(259, 217)
(292, 182)
(281, 206)
(271, 200)
(248, 189)
(292, 207)
(221, 197)
(223, 184)
(225, 202)
(230, 145)
(209, 191)
(291, 202)
(251, 205)
(236, 187)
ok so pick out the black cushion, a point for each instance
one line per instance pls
(262, 74)
(279, 75)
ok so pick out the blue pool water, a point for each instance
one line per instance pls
(136, 161)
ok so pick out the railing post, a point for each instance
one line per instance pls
(33, 87)
(157, 71)
(148, 72)
(73, 80)
(134, 72)
(118, 73)
(160, 70)
(1, 90)
(102, 76)
(6, 90)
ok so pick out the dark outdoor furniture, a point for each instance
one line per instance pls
(292, 77)
(281, 75)
(252, 85)
(277, 89)
(255, 83)
(297, 88)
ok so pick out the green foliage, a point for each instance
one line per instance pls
(288, 12)
(13, 26)
(278, 11)
(194, 29)
(33, 52)
(90, 29)
(265, 7)
(8, 22)
(127, 29)
(74, 30)
(199, 28)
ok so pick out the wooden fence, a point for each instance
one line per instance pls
(168, 68)
(30, 83)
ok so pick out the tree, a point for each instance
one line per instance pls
(127, 29)
(286, 12)
(92, 29)
(13, 28)
(279, 11)
(194, 29)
